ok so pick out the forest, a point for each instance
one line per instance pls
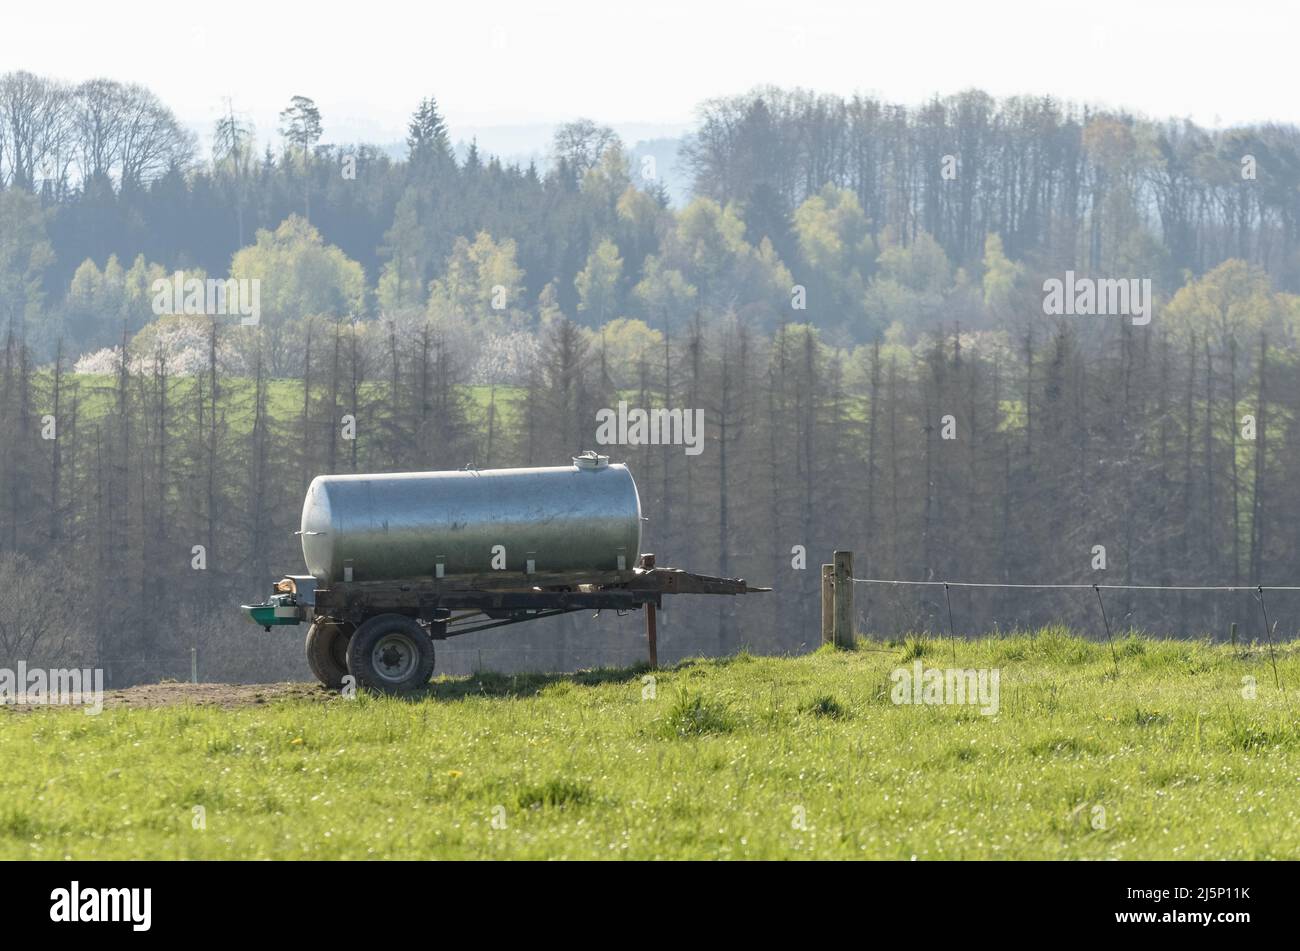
(853, 296)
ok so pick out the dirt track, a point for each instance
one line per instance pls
(220, 695)
(205, 695)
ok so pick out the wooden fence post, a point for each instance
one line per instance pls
(843, 572)
(828, 604)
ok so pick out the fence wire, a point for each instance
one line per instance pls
(1084, 587)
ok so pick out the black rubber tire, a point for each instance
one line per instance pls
(327, 651)
(392, 654)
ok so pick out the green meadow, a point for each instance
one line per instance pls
(1190, 751)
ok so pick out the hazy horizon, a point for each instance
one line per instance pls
(522, 67)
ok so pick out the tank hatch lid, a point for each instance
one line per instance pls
(591, 460)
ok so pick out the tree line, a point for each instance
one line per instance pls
(1063, 184)
(865, 336)
(1006, 455)
(878, 211)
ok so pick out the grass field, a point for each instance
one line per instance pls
(746, 757)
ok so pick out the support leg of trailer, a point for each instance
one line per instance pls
(647, 563)
(652, 634)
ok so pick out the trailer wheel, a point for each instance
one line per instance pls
(391, 653)
(327, 651)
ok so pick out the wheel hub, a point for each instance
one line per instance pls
(394, 657)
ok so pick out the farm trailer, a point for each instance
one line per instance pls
(398, 561)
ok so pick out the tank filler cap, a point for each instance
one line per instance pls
(590, 460)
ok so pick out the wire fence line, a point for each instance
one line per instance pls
(1081, 586)
(192, 664)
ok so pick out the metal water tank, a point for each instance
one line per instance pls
(574, 519)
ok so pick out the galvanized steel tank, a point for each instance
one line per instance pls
(576, 519)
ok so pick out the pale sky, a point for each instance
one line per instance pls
(652, 61)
